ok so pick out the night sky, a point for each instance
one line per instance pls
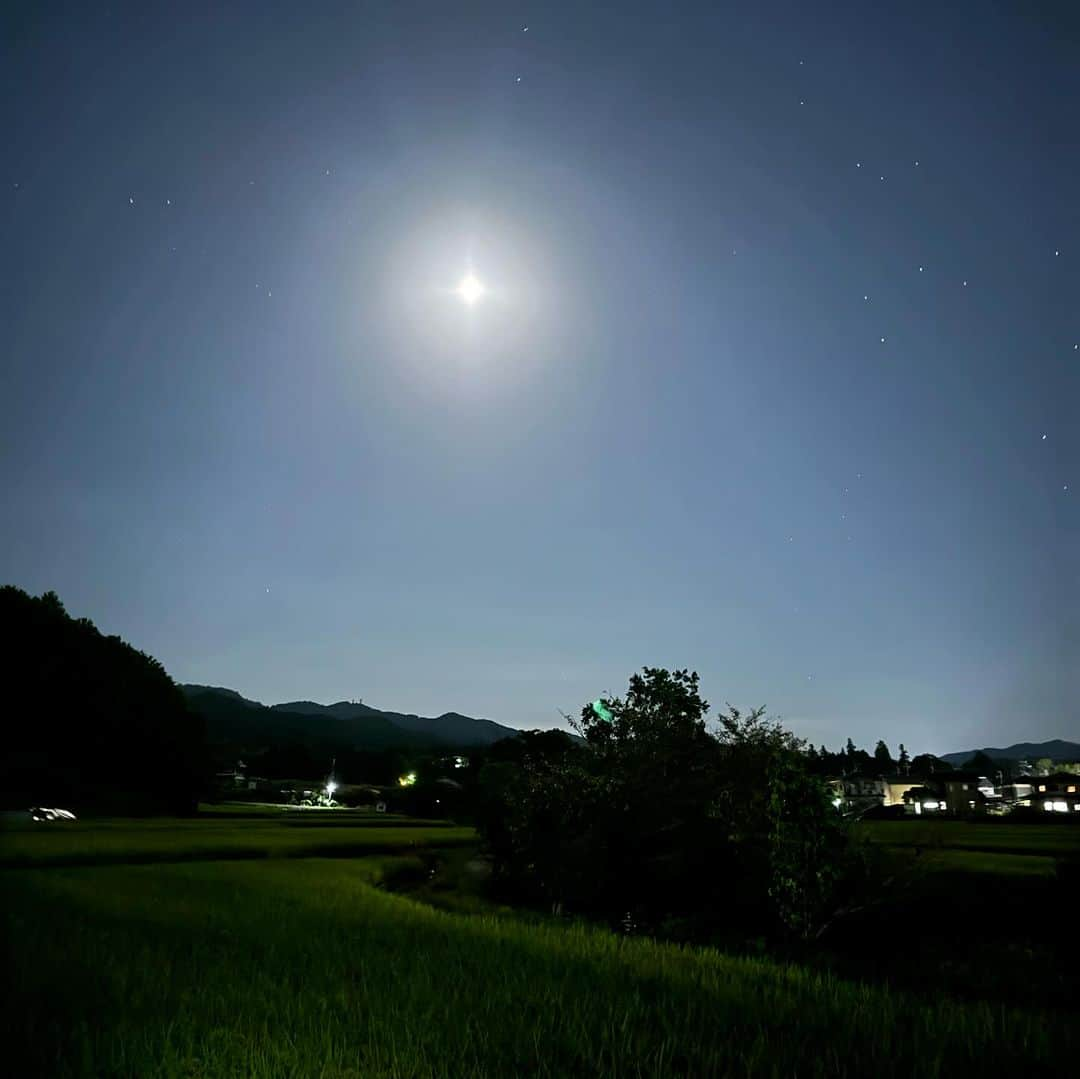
(776, 374)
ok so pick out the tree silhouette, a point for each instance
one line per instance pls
(689, 829)
(882, 757)
(91, 722)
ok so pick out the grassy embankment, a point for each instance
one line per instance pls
(293, 968)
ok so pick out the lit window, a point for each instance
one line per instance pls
(1061, 807)
(1048, 805)
(1042, 788)
(1071, 788)
(963, 786)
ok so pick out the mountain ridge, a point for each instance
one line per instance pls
(232, 715)
(1057, 749)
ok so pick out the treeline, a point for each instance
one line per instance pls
(90, 722)
(851, 760)
(854, 761)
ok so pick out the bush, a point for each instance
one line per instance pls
(659, 824)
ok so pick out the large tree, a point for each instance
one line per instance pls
(883, 760)
(684, 828)
(90, 721)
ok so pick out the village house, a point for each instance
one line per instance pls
(968, 792)
(1055, 793)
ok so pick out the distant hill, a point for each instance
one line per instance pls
(192, 690)
(1056, 749)
(233, 718)
(450, 728)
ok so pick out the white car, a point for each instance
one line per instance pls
(39, 813)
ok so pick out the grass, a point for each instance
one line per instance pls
(991, 836)
(170, 840)
(285, 968)
(287, 963)
(277, 811)
(991, 847)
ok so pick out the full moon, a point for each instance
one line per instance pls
(470, 289)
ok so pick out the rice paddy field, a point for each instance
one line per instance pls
(132, 842)
(289, 963)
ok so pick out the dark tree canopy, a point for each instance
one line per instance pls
(667, 824)
(90, 722)
(980, 763)
(883, 760)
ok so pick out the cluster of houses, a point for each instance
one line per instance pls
(959, 794)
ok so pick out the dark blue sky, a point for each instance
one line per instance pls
(247, 424)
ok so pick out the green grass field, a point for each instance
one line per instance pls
(990, 836)
(987, 847)
(304, 966)
(170, 840)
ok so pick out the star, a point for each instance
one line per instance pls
(1056, 253)
(858, 475)
(524, 29)
(916, 163)
(866, 297)
(858, 164)
(920, 269)
(965, 284)
(168, 202)
(802, 102)
(881, 177)
(883, 340)
(1044, 438)
(131, 201)
(518, 79)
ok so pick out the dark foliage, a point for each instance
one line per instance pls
(659, 823)
(91, 723)
(981, 764)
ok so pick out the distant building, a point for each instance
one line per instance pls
(862, 793)
(926, 798)
(896, 787)
(1055, 793)
(859, 794)
(968, 793)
